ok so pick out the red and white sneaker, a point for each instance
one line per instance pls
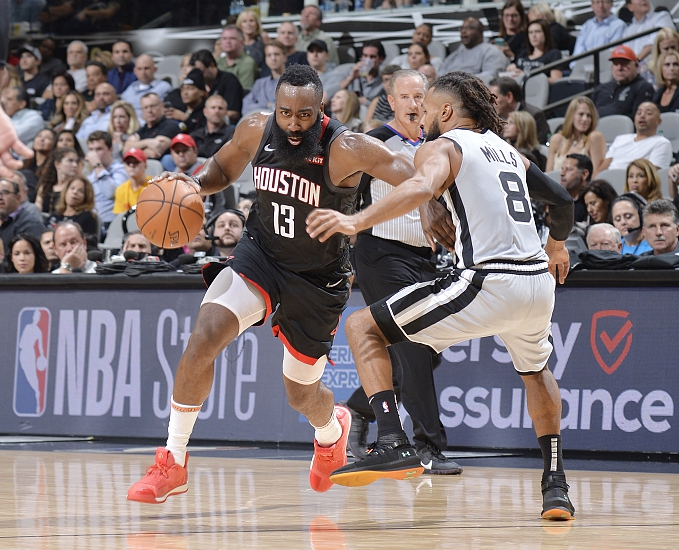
(163, 479)
(327, 459)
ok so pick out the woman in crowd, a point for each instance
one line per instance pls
(123, 124)
(62, 166)
(540, 51)
(578, 135)
(254, 37)
(345, 107)
(24, 255)
(643, 178)
(667, 39)
(598, 196)
(62, 83)
(563, 40)
(43, 144)
(521, 131)
(75, 204)
(667, 76)
(66, 138)
(513, 23)
(628, 217)
(71, 114)
(418, 55)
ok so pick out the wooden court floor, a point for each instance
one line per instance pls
(76, 500)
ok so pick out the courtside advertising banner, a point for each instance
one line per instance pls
(102, 363)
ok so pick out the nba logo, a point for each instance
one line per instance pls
(32, 353)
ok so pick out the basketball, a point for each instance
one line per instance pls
(170, 213)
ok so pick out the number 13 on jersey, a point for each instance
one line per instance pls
(284, 220)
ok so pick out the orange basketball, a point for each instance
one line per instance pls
(170, 213)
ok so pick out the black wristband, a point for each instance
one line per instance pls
(196, 181)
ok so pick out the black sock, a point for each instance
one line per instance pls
(552, 458)
(386, 413)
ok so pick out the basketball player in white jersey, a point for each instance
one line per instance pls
(501, 285)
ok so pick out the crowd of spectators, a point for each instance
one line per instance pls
(97, 122)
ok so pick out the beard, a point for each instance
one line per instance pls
(434, 131)
(296, 156)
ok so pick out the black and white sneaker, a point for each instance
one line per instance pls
(389, 458)
(357, 443)
(435, 462)
(556, 505)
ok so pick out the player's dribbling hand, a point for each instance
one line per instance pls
(175, 176)
(9, 140)
(559, 260)
(323, 224)
(438, 225)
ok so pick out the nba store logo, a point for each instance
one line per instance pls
(32, 353)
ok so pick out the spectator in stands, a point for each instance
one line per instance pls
(379, 108)
(122, 75)
(286, 34)
(263, 93)
(364, 78)
(193, 95)
(66, 138)
(623, 94)
(317, 57)
(418, 55)
(345, 108)
(15, 217)
(76, 57)
(540, 51)
(127, 194)
(219, 82)
(154, 138)
(185, 154)
(146, 83)
(136, 241)
(76, 203)
(646, 143)
(228, 230)
(43, 144)
(47, 245)
(27, 122)
(33, 81)
(71, 247)
(667, 76)
(107, 174)
(603, 236)
(123, 124)
(61, 167)
(643, 178)
(91, 16)
(509, 98)
(667, 39)
(234, 59)
(50, 65)
(578, 135)
(99, 119)
(645, 19)
(513, 23)
(576, 173)
(310, 20)
(24, 255)
(422, 35)
(521, 132)
(429, 72)
(210, 138)
(603, 28)
(673, 182)
(563, 40)
(174, 98)
(245, 204)
(474, 55)
(598, 196)
(71, 114)
(62, 83)
(200, 243)
(254, 36)
(627, 212)
(661, 227)
(96, 74)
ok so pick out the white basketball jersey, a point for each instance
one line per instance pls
(489, 202)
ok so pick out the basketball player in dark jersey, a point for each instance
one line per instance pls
(503, 283)
(302, 161)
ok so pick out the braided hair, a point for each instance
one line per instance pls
(475, 99)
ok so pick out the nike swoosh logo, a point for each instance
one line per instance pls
(334, 284)
(267, 147)
(427, 466)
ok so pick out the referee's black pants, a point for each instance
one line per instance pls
(384, 267)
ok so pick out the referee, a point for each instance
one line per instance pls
(389, 257)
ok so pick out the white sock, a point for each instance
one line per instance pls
(182, 419)
(330, 433)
